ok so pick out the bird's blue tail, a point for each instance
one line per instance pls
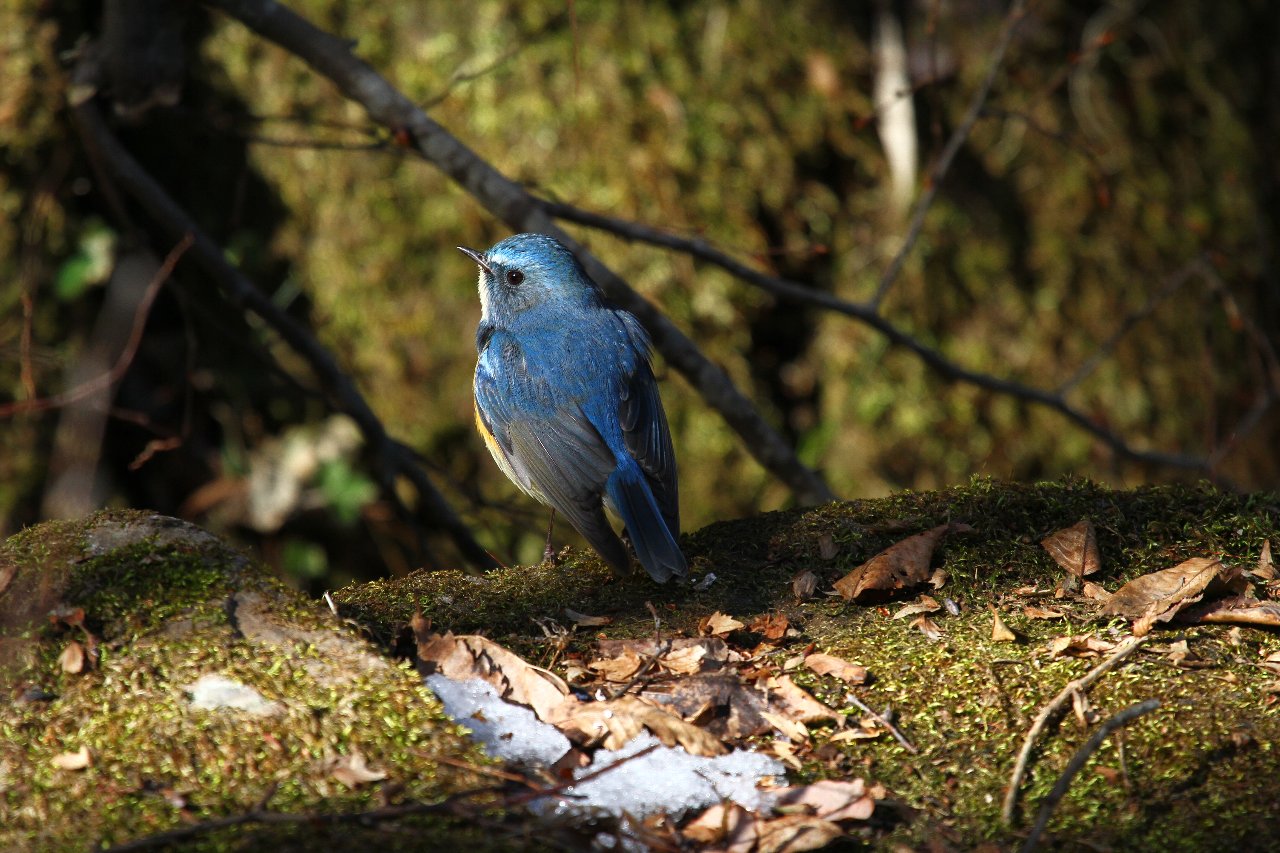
(630, 497)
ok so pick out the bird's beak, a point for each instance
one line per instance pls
(477, 257)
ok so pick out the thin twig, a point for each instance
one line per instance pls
(1121, 652)
(1077, 762)
(392, 458)
(886, 722)
(958, 138)
(331, 57)
(122, 363)
(947, 369)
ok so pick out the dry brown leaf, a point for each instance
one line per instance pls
(859, 733)
(1079, 645)
(927, 627)
(1025, 590)
(582, 620)
(1157, 597)
(617, 721)
(72, 658)
(1266, 569)
(824, 664)
(711, 653)
(472, 656)
(1083, 709)
(725, 828)
(902, 565)
(827, 547)
(1031, 611)
(830, 799)
(1095, 591)
(772, 626)
(794, 701)
(926, 604)
(718, 624)
(1075, 548)
(796, 833)
(1238, 610)
(77, 760)
(353, 770)
(785, 751)
(938, 579)
(787, 726)
(804, 585)
(684, 661)
(619, 669)
(721, 704)
(1000, 632)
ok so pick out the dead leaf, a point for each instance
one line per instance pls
(684, 661)
(830, 799)
(1000, 632)
(787, 726)
(1266, 569)
(796, 833)
(824, 664)
(1095, 591)
(1075, 548)
(719, 625)
(1238, 610)
(472, 656)
(859, 733)
(827, 547)
(1079, 645)
(926, 604)
(72, 617)
(353, 770)
(721, 704)
(1157, 597)
(927, 627)
(617, 721)
(678, 654)
(725, 828)
(72, 658)
(773, 627)
(898, 566)
(785, 752)
(804, 585)
(77, 760)
(618, 669)
(938, 579)
(794, 701)
(1081, 707)
(584, 621)
(1031, 611)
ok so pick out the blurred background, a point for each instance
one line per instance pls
(1107, 230)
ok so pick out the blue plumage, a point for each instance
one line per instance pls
(567, 403)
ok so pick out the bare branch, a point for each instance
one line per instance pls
(946, 368)
(391, 457)
(331, 57)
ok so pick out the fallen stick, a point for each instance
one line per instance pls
(1122, 651)
(1078, 761)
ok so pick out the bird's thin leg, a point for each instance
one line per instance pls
(548, 552)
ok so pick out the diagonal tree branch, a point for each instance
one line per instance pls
(392, 457)
(331, 57)
(949, 370)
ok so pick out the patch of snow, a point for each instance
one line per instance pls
(507, 731)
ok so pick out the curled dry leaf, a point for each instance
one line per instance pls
(1031, 611)
(1266, 568)
(617, 721)
(1238, 610)
(927, 627)
(792, 729)
(72, 659)
(353, 770)
(682, 654)
(1000, 632)
(794, 701)
(926, 604)
(719, 625)
(472, 656)
(726, 827)
(618, 669)
(827, 547)
(804, 585)
(772, 626)
(1075, 548)
(824, 664)
(77, 760)
(905, 564)
(938, 579)
(582, 620)
(1159, 596)
(1079, 646)
(1095, 591)
(830, 799)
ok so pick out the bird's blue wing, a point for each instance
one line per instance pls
(557, 456)
(645, 431)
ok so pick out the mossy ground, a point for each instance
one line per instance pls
(1194, 775)
(158, 601)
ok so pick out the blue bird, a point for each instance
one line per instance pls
(567, 403)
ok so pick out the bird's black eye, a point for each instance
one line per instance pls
(514, 277)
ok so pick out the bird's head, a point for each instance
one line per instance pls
(526, 271)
